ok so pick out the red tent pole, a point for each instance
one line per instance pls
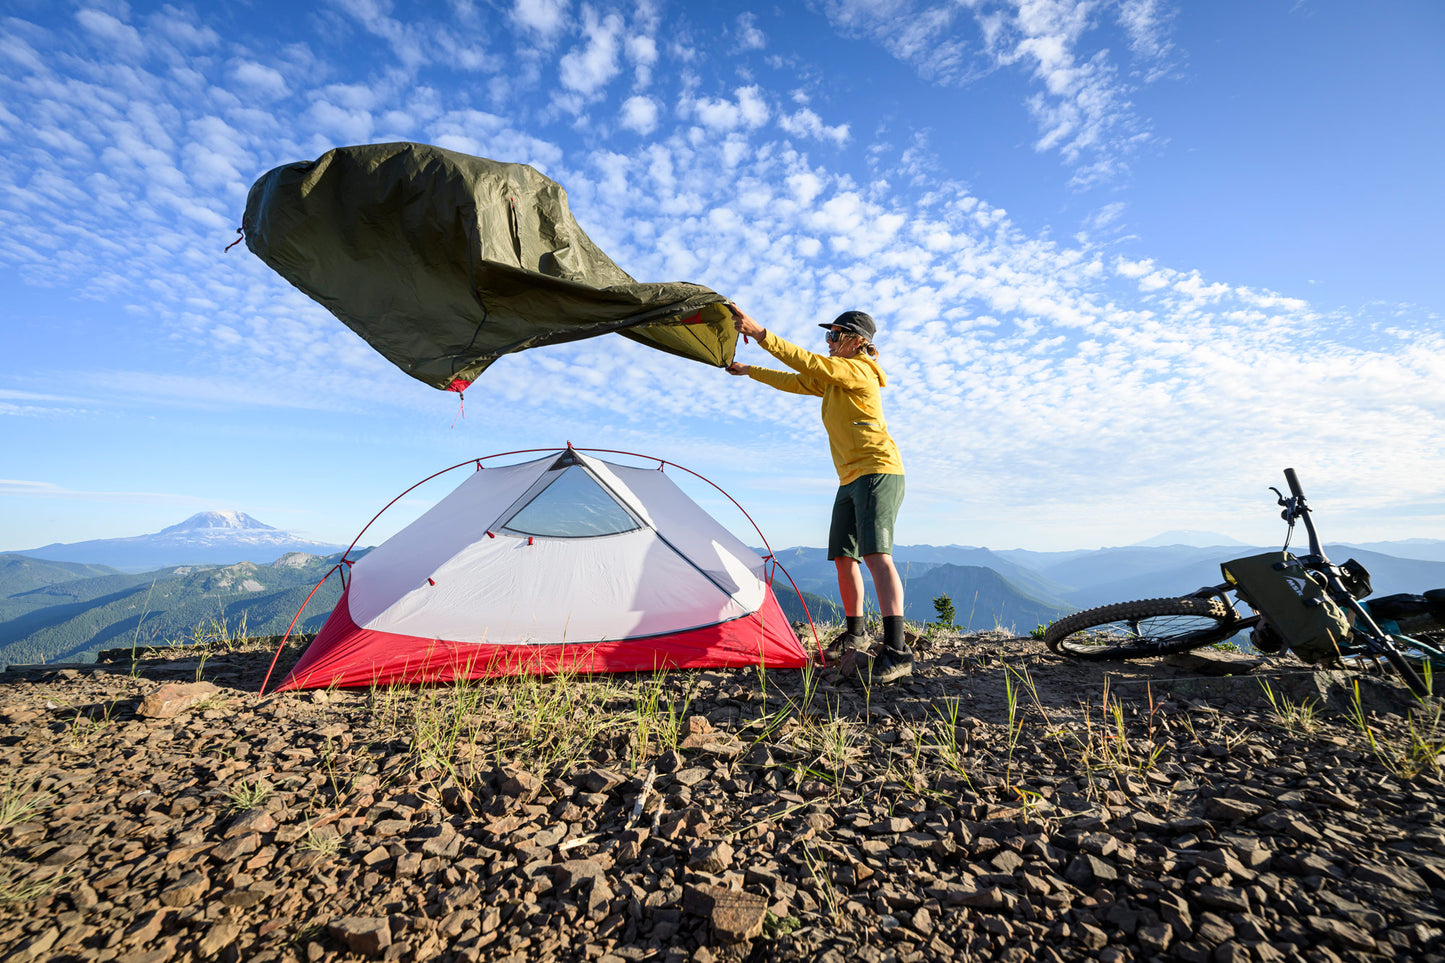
(294, 619)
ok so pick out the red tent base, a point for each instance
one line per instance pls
(345, 655)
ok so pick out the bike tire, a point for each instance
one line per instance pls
(1135, 630)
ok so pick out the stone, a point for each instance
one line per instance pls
(186, 890)
(367, 935)
(712, 859)
(602, 780)
(170, 699)
(1223, 809)
(218, 937)
(251, 821)
(735, 916)
(521, 786)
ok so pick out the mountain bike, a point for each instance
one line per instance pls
(1303, 604)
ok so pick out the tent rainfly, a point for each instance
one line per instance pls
(562, 563)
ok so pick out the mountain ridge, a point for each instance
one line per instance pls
(205, 538)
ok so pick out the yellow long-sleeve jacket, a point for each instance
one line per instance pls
(852, 407)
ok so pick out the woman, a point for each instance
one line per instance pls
(870, 472)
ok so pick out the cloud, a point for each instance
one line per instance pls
(805, 123)
(721, 114)
(545, 17)
(749, 37)
(639, 114)
(121, 37)
(261, 80)
(1028, 375)
(590, 67)
(23, 488)
(917, 32)
(1082, 107)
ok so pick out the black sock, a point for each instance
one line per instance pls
(854, 624)
(893, 633)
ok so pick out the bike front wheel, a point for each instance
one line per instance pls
(1134, 630)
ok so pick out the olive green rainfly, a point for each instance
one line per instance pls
(444, 262)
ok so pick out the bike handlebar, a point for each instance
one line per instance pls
(1293, 480)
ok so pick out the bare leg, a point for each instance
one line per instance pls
(885, 582)
(850, 584)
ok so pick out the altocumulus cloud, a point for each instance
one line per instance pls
(1028, 374)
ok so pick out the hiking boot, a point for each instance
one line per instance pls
(890, 665)
(844, 642)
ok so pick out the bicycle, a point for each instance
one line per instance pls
(1306, 604)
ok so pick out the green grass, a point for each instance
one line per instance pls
(244, 796)
(19, 802)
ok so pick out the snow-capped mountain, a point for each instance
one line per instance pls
(206, 538)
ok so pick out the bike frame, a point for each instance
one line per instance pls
(1368, 639)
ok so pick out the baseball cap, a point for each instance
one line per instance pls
(855, 322)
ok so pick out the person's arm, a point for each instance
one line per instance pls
(817, 369)
(784, 380)
(845, 372)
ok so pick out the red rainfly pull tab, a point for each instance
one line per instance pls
(529, 540)
(491, 535)
(431, 581)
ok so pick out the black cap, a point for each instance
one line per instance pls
(854, 322)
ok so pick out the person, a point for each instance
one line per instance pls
(870, 473)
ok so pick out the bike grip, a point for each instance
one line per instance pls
(1293, 480)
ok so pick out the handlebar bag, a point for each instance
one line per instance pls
(1282, 590)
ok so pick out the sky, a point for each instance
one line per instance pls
(1128, 258)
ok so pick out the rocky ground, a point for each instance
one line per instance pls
(1002, 804)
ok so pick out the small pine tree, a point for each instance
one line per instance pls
(943, 605)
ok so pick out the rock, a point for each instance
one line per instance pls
(1341, 932)
(367, 935)
(735, 916)
(186, 890)
(1222, 809)
(521, 786)
(711, 859)
(218, 937)
(251, 821)
(602, 780)
(170, 699)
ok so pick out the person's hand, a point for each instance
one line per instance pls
(737, 368)
(745, 325)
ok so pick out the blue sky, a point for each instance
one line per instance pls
(1129, 258)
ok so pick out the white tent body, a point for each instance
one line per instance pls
(562, 550)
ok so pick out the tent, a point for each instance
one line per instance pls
(562, 563)
(445, 262)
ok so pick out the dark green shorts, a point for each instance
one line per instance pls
(863, 516)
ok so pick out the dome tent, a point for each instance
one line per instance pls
(562, 563)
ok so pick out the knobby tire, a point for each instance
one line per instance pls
(1134, 630)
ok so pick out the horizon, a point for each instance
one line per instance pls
(1145, 543)
(1128, 260)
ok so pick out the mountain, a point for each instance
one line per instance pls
(986, 590)
(21, 574)
(72, 619)
(819, 608)
(1122, 574)
(982, 599)
(1182, 536)
(811, 570)
(207, 538)
(1422, 549)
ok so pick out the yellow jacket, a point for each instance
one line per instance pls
(852, 408)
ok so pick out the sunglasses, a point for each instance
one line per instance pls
(833, 336)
